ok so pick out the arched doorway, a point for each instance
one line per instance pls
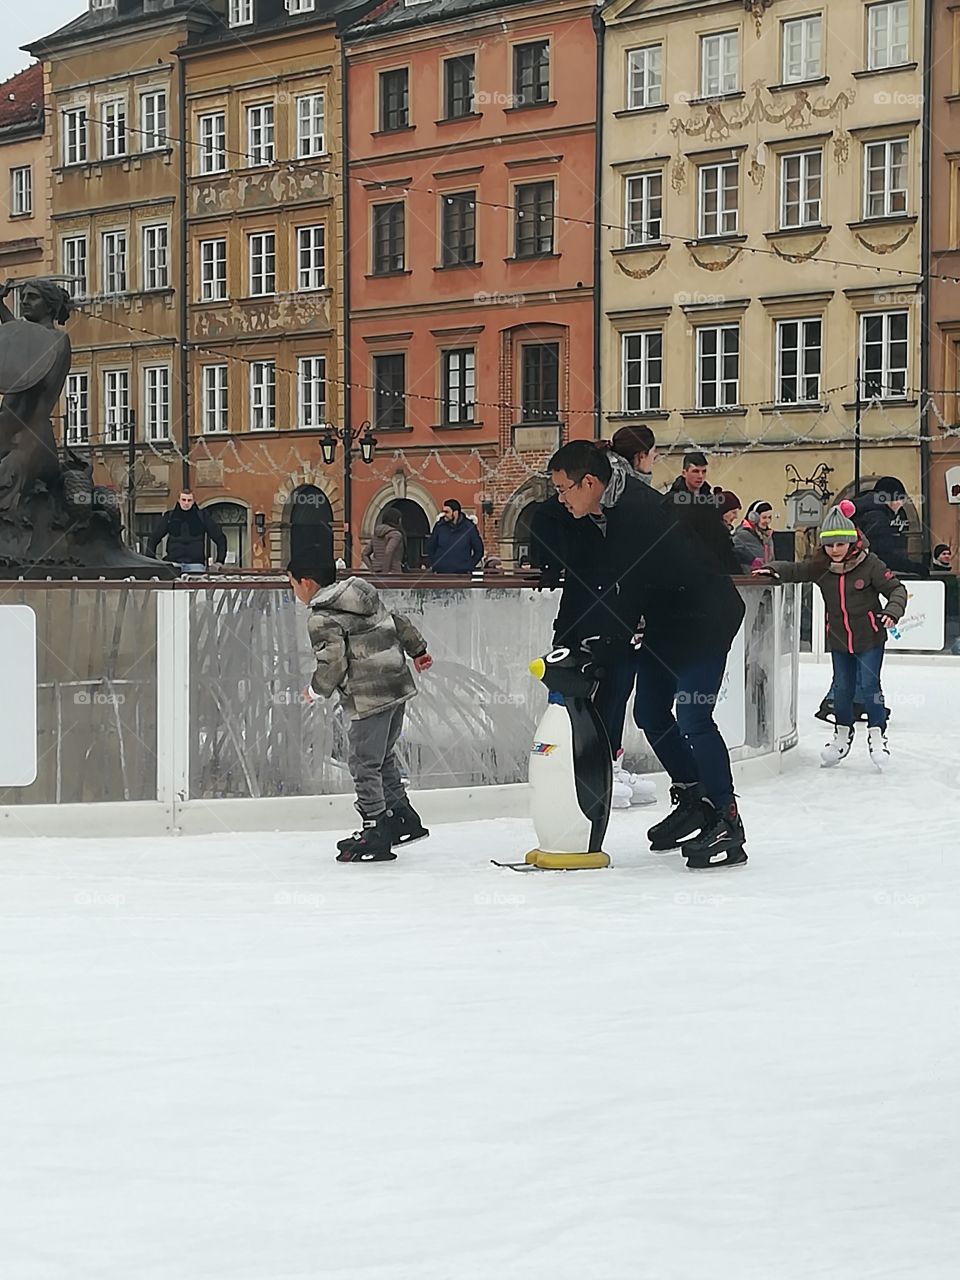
(521, 532)
(310, 521)
(416, 529)
(233, 520)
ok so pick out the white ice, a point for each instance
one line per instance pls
(231, 1058)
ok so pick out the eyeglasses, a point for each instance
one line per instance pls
(576, 485)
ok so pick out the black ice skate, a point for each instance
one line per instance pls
(825, 712)
(686, 818)
(720, 843)
(371, 844)
(405, 824)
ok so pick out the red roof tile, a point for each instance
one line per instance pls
(20, 95)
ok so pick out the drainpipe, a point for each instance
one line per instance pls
(925, 283)
(184, 276)
(599, 28)
(345, 258)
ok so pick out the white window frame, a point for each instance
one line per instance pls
(805, 201)
(645, 77)
(119, 251)
(153, 120)
(311, 258)
(808, 48)
(311, 125)
(262, 274)
(116, 406)
(263, 395)
(261, 135)
(77, 413)
(75, 135)
(719, 382)
(213, 269)
(722, 47)
(70, 258)
(240, 13)
(21, 191)
(156, 256)
(885, 23)
(804, 347)
(888, 371)
(637, 192)
(891, 194)
(215, 399)
(311, 392)
(300, 6)
(727, 220)
(212, 136)
(467, 367)
(114, 143)
(156, 402)
(650, 390)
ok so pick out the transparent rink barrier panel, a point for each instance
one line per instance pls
(478, 707)
(96, 694)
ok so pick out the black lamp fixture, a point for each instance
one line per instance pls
(260, 523)
(486, 506)
(366, 441)
(328, 446)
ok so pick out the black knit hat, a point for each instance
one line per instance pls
(889, 489)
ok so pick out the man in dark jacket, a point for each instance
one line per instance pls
(186, 528)
(698, 508)
(636, 567)
(455, 546)
(880, 518)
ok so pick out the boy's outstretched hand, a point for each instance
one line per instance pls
(423, 663)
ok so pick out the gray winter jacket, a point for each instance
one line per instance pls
(750, 546)
(361, 649)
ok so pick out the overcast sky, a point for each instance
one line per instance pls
(27, 20)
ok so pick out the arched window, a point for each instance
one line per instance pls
(233, 520)
(310, 521)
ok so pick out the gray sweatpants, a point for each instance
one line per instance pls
(373, 761)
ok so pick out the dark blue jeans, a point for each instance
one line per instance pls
(688, 745)
(612, 697)
(858, 672)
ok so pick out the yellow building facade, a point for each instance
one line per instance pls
(25, 207)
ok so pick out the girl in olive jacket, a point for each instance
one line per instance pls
(852, 581)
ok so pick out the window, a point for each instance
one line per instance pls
(799, 345)
(213, 142)
(113, 115)
(263, 395)
(883, 355)
(459, 386)
(156, 402)
(718, 366)
(241, 13)
(388, 235)
(263, 264)
(21, 191)
(260, 148)
(719, 199)
(641, 379)
(116, 405)
(156, 274)
(300, 6)
(887, 35)
(75, 136)
(213, 270)
(114, 262)
(643, 208)
(534, 219)
(310, 119)
(389, 392)
(153, 120)
(719, 64)
(73, 258)
(311, 256)
(531, 73)
(458, 229)
(312, 384)
(802, 49)
(885, 178)
(540, 382)
(800, 187)
(214, 382)
(78, 408)
(394, 100)
(645, 77)
(458, 81)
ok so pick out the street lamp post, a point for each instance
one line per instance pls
(363, 436)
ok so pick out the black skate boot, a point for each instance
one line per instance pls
(371, 844)
(686, 818)
(825, 712)
(405, 824)
(720, 843)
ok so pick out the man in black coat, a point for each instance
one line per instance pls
(186, 528)
(881, 519)
(632, 565)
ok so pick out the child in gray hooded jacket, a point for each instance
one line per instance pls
(361, 651)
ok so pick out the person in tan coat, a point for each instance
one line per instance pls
(383, 554)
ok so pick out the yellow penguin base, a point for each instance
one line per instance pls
(567, 861)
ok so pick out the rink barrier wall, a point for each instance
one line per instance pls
(177, 707)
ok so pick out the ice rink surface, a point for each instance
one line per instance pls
(230, 1058)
